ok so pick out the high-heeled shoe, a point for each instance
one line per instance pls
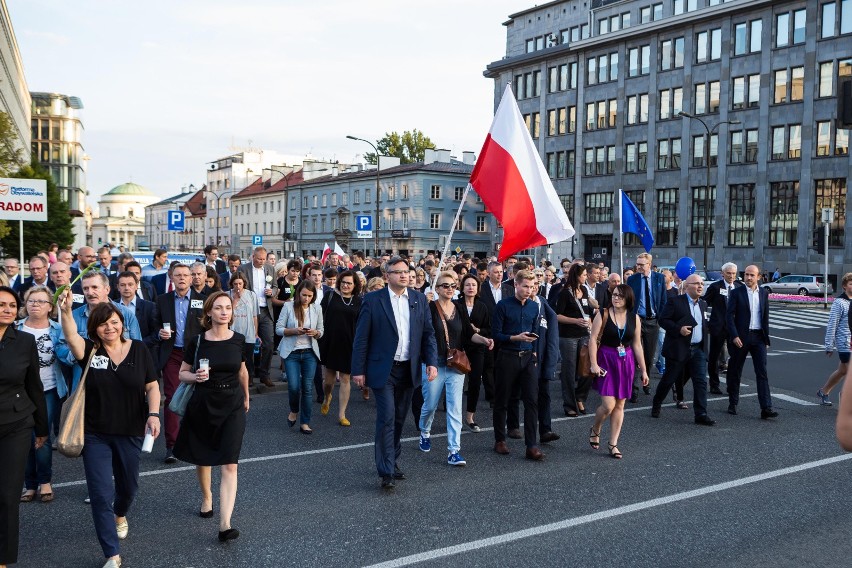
(229, 534)
(206, 514)
(613, 451)
(593, 434)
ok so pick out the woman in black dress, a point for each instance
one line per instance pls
(212, 429)
(339, 313)
(23, 408)
(480, 321)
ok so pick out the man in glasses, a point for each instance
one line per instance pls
(394, 333)
(38, 276)
(650, 291)
(687, 343)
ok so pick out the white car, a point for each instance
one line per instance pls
(801, 284)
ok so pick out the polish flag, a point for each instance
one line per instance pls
(338, 249)
(513, 183)
(326, 250)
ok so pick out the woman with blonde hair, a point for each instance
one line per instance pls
(375, 283)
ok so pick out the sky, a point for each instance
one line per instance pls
(169, 86)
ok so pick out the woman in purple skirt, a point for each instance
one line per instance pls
(613, 363)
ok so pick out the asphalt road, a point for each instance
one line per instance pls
(746, 492)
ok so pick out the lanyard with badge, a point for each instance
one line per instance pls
(622, 351)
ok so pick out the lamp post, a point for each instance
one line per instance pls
(218, 197)
(707, 203)
(378, 193)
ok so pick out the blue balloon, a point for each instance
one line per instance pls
(684, 267)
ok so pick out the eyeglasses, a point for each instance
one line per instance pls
(447, 285)
(37, 302)
(614, 296)
(345, 283)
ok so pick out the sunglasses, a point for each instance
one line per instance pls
(447, 286)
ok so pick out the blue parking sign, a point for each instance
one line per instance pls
(256, 240)
(363, 223)
(176, 221)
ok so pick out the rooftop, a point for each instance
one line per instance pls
(129, 188)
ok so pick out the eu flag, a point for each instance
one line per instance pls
(633, 222)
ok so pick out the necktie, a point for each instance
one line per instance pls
(648, 310)
(171, 288)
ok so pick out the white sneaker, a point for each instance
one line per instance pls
(113, 563)
(121, 528)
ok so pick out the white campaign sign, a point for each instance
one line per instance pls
(23, 199)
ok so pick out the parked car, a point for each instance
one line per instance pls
(801, 284)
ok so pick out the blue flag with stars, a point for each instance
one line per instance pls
(633, 222)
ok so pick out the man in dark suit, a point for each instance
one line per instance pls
(649, 289)
(684, 318)
(145, 289)
(393, 337)
(181, 309)
(162, 282)
(747, 318)
(13, 271)
(234, 263)
(146, 312)
(491, 292)
(105, 262)
(211, 258)
(716, 296)
(547, 351)
(262, 281)
(38, 276)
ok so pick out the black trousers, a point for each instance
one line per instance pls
(488, 374)
(513, 370)
(544, 420)
(475, 378)
(15, 441)
(717, 344)
(650, 335)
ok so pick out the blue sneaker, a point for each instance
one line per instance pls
(425, 443)
(455, 459)
(824, 401)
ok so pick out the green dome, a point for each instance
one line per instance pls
(129, 188)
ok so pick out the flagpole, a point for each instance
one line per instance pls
(620, 231)
(453, 229)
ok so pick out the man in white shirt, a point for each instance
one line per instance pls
(262, 282)
(12, 269)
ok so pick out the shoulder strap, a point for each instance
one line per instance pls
(444, 322)
(604, 319)
(82, 382)
(197, 345)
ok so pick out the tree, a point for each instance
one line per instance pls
(11, 156)
(410, 146)
(40, 234)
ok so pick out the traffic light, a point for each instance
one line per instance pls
(819, 240)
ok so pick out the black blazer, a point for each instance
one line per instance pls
(738, 314)
(718, 304)
(553, 295)
(677, 313)
(600, 292)
(166, 309)
(149, 323)
(487, 297)
(480, 317)
(28, 283)
(21, 391)
(147, 289)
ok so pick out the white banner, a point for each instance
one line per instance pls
(23, 199)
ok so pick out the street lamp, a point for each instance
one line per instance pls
(378, 193)
(218, 197)
(707, 203)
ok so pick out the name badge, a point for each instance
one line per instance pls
(199, 304)
(543, 323)
(622, 352)
(78, 298)
(723, 291)
(99, 362)
(585, 302)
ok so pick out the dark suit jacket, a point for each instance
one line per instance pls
(553, 295)
(718, 305)
(600, 292)
(28, 283)
(160, 282)
(221, 265)
(166, 310)
(675, 315)
(738, 314)
(547, 344)
(148, 292)
(487, 297)
(225, 280)
(248, 270)
(376, 336)
(658, 290)
(21, 391)
(149, 323)
(480, 317)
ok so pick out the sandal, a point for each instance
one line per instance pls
(593, 434)
(45, 497)
(613, 451)
(26, 496)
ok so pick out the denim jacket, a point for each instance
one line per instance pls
(64, 359)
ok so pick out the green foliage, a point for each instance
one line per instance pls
(38, 235)
(410, 146)
(11, 156)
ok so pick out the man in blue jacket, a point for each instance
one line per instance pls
(393, 336)
(649, 289)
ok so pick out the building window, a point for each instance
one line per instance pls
(645, 14)
(714, 96)
(480, 223)
(638, 61)
(434, 220)
(708, 45)
(636, 157)
(666, 234)
(368, 196)
(356, 197)
(751, 146)
(794, 147)
(665, 104)
(404, 220)
(344, 198)
(779, 150)
(783, 213)
(702, 210)
(823, 145)
(305, 202)
(700, 99)
(391, 193)
(747, 37)
(832, 193)
(829, 19)
(783, 35)
(841, 142)
(404, 191)
(567, 204)
(460, 223)
(826, 78)
(435, 192)
(741, 215)
(316, 201)
(753, 91)
(598, 207)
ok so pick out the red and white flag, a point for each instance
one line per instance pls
(513, 183)
(338, 249)
(326, 250)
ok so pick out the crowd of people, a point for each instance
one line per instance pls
(413, 336)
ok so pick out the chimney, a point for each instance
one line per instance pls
(429, 156)
(442, 156)
(469, 158)
(335, 171)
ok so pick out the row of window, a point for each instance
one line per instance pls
(783, 218)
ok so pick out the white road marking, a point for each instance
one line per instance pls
(796, 341)
(794, 400)
(506, 538)
(320, 451)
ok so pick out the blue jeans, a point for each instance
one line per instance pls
(660, 363)
(106, 457)
(40, 462)
(454, 383)
(301, 366)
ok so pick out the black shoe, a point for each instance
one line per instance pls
(655, 411)
(170, 458)
(634, 399)
(206, 514)
(515, 434)
(716, 390)
(767, 414)
(646, 390)
(387, 482)
(704, 420)
(397, 474)
(549, 437)
(732, 409)
(229, 534)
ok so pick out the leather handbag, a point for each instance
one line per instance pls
(584, 359)
(72, 421)
(184, 391)
(456, 358)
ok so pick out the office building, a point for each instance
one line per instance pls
(14, 95)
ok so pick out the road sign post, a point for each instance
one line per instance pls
(827, 220)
